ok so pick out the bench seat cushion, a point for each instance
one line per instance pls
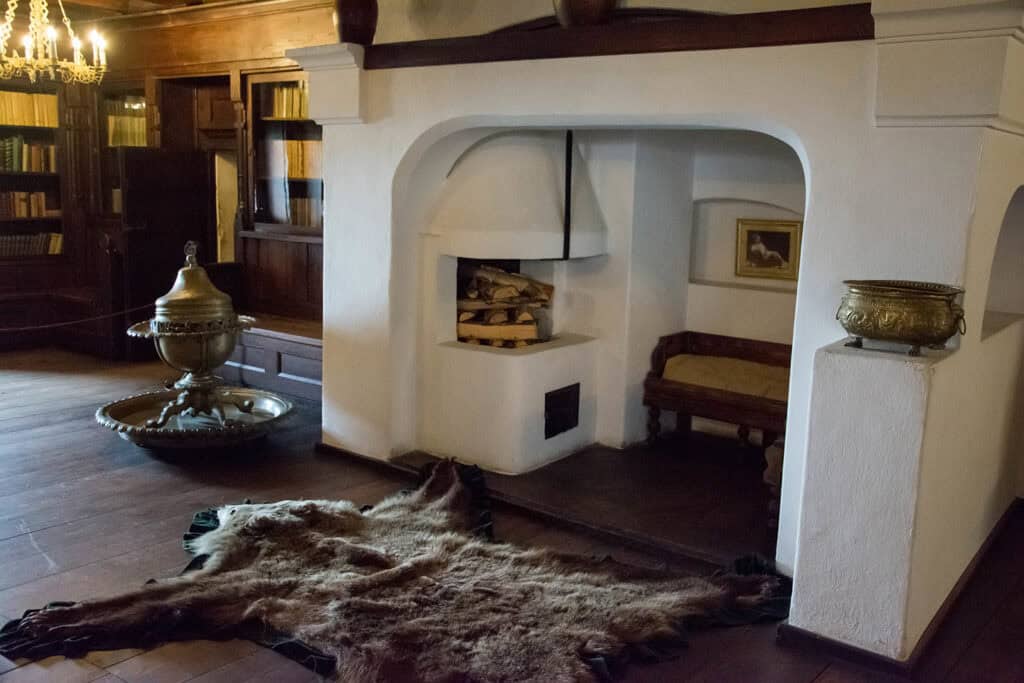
(730, 374)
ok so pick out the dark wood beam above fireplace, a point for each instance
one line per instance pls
(670, 34)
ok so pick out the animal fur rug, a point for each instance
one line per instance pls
(404, 591)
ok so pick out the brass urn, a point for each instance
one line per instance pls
(195, 330)
(901, 311)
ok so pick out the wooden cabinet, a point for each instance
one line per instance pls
(214, 108)
(282, 246)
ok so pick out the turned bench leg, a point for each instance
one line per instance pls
(653, 425)
(772, 477)
(767, 439)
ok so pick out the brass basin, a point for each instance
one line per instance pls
(130, 417)
(906, 312)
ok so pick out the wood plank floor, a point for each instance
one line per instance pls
(713, 483)
(85, 514)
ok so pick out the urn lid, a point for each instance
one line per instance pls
(193, 298)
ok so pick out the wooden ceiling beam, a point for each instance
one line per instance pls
(117, 6)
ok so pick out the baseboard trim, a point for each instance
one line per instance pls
(798, 638)
(382, 465)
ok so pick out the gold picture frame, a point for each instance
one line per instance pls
(768, 248)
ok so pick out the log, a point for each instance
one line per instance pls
(509, 331)
(498, 292)
(494, 317)
(523, 315)
(465, 316)
(477, 305)
(497, 276)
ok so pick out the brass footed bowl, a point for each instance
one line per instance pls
(905, 312)
(198, 348)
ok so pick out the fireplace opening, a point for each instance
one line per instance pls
(561, 410)
(499, 306)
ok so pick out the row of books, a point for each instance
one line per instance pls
(26, 205)
(296, 159)
(19, 156)
(28, 109)
(39, 244)
(290, 101)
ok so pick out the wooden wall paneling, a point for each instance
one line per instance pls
(269, 359)
(283, 275)
(315, 276)
(24, 310)
(78, 161)
(295, 258)
(215, 39)
(214, 109)
(241, 145)
(250, 256)
(177, 115)
(152, 89)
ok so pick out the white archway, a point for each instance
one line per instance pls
(1004, 303)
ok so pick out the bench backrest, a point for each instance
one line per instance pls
(703, 344)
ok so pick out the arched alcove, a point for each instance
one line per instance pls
(740, 174)
(645, 194)
(1005, 301)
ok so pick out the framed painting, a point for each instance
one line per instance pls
(768, 248)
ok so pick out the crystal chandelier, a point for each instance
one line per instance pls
(38, 57)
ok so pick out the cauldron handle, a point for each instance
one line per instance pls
(140, 329)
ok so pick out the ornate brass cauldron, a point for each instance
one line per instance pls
(914, 313)
(195, 330)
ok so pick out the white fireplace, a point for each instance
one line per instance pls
(912, 146)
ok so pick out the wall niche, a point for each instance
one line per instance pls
(1005, 303)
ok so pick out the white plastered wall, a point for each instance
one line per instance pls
(975, 419)
(1005, 290)
(624, 299)
(874, 195)
(739, 174)
(849, 165)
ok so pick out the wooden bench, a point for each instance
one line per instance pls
(688, 400)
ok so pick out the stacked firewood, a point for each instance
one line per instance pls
(499, 308)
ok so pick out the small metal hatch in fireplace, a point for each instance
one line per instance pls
(561, 410)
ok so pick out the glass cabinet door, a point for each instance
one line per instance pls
(286, 156)
(123, 119)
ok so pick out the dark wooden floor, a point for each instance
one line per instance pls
(703, 497)
(85, 514)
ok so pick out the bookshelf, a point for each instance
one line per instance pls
(122, 125)
(31, 218)
(281, 243)
(285, 156)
